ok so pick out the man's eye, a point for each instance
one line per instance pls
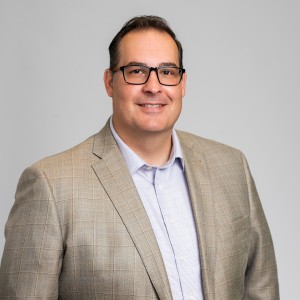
(167, 72)
(136, 71)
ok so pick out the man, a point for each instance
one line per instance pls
(140, 211)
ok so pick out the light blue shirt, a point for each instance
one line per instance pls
(165, 196)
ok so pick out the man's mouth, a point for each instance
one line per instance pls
(152, 105)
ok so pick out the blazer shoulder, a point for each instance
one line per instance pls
(210, 149)
(86, 151)
(76, 158)
(73, 161)
(80, 151)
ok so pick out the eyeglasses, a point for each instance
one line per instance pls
(137, 74)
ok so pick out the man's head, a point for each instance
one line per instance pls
(138, 24)
(145, 100)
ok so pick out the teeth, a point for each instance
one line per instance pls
(151, 105)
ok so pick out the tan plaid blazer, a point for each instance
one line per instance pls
(78, 229)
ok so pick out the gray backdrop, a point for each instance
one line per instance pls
(243, 66)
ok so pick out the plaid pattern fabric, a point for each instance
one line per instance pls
(78, 229)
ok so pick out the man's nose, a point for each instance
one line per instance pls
(152, 85)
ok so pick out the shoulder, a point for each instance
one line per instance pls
(211, 150)
(79, 153)
(62, 164)
(76, 161)
(203, 144)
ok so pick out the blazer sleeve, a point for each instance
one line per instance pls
(33, 252)
(261, 282)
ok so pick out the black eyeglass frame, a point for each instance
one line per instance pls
(122, 68)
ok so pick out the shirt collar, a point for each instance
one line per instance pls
(134, 162)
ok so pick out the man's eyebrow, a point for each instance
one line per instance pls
(167, 64)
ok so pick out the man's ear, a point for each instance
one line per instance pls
(108, 82)
(183, 84)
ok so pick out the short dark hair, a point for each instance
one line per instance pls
(141, 23)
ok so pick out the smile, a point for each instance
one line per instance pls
(152, 105)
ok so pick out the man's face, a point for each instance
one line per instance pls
(150, 107)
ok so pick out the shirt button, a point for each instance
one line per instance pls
(148, 168)
(182, 259)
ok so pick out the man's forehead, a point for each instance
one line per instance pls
(140, 45)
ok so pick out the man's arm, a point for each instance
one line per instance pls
(261, 282)
(32, 257)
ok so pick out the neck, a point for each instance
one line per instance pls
(154, 148)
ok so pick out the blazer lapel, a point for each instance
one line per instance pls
(114, 176)
(204, 213)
